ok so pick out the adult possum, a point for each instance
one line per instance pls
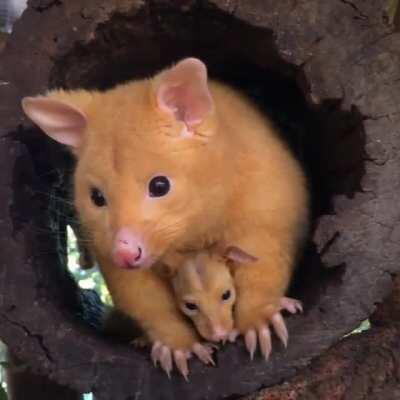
(175, 163)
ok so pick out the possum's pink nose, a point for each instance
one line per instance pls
(128, 250)
(219, 334)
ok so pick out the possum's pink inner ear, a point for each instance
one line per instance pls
(61, 121)
(237, 255)
(183, 91)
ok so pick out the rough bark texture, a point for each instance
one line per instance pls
(333, 66)
(22, 384)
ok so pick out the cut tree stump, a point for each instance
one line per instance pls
(327, 72)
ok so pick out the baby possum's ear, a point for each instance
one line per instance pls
(183, 92)
(59, 120)
(236, 256)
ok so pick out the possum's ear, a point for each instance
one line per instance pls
(61, 121)
(238, 256)
(183, 92)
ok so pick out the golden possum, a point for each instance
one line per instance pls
(177, 162)
(204, 288)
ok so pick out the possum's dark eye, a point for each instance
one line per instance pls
(97, 197)
(159, 186)
(191, 306)
(226, 295)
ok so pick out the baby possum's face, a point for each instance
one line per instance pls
(205, 292)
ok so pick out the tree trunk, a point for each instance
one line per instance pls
(23, 384)
(326, 72)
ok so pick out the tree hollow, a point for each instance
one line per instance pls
(326, 73)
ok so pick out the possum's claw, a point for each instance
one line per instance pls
(250, 340)
(264, 337)
(156, 352)
(277, 321)
(204, 353)
(291, 305)
(280, 328)
(167, 357)
(288, 304)
(262, 334)
(180, 358)
(166, 360)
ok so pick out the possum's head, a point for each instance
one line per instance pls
(205, 290)
(146, 156)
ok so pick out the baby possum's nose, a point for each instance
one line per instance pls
(128, 250)
(218, 334)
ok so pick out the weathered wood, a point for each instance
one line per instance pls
(329, 67)
(22, 384)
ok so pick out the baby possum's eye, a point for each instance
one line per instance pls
(97, 197)
(226, 295)
(191, 306)
(159, 186)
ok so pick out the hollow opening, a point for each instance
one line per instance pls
(329, 142)
(83, 268)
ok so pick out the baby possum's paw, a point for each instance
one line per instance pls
(167, 356)
(260, 331)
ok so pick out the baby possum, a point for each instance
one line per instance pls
(172, 163)
(205, 292)
(204, 288)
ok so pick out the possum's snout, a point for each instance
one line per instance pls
(215, 329)
(129, 251)
(218, 334)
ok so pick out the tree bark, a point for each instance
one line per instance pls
(327, 72)
(23, 384)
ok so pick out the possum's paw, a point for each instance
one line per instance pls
(260, 334)
(167, 357)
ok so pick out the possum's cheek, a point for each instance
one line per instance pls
(98, 226)
(102, 237)
(201, 324)
(165, 224)
(96, 222)
(228, 319)
(166, 235)
(204, 330)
